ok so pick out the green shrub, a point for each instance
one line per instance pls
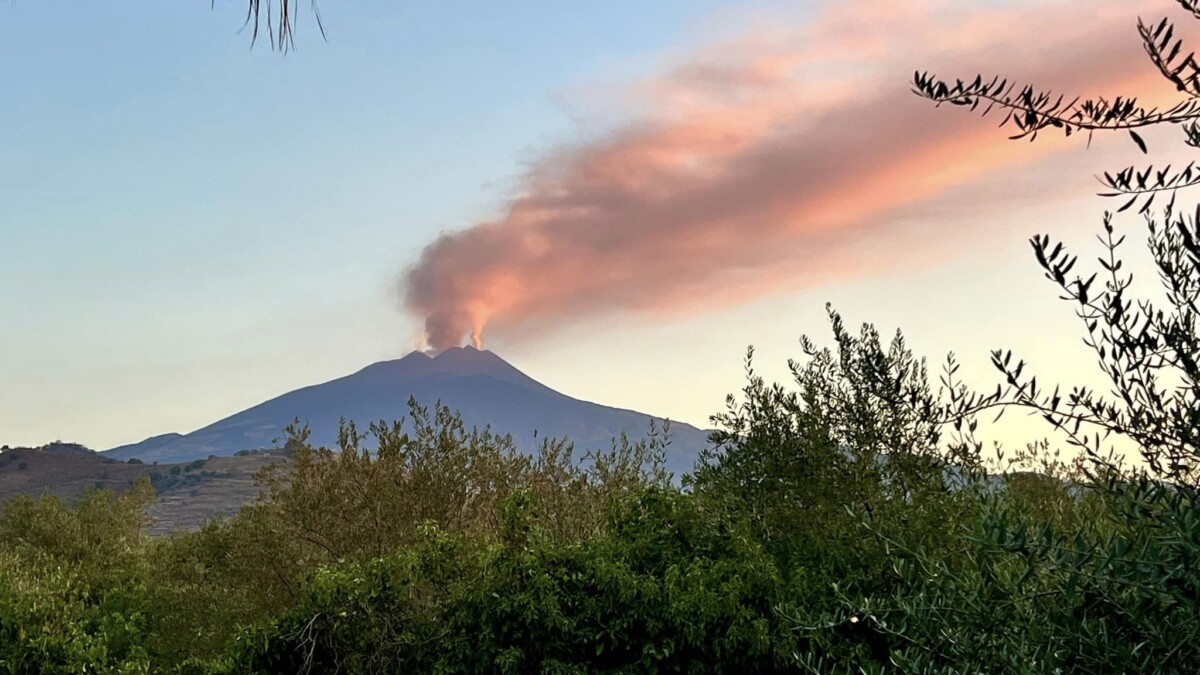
(1118, 591)
(51, 623)
(666, 587)
(72, 594)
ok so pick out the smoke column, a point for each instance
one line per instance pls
(759, 162)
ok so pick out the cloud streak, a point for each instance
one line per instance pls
(761, 164)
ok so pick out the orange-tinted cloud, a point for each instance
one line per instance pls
(763, 163)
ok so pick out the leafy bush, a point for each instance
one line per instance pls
(1116, 593)
(72, 596)
(99, 530)
(358, 503)
(860, 437)
(51, 623)
(666, 587)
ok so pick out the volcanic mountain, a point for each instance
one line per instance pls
(485, 388)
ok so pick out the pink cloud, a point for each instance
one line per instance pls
(762, 163)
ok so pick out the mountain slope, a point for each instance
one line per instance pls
(482, 386)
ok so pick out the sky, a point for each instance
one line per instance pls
(618, 197)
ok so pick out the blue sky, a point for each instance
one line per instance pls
(189, 227)
(174, 202)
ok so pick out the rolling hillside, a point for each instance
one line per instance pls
(188, 493)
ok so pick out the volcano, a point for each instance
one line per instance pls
(485, 388)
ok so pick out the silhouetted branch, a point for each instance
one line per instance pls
(1031, 111)
(279, 20)
(1165, 53)
(1191, 6)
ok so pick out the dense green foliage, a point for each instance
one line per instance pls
(665, 585)
(832, 528)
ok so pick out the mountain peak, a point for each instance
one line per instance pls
(451, 363)
(466, 361)
(479, 384)
(414, 357)
(467, 355)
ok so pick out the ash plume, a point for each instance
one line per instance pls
(759, 164)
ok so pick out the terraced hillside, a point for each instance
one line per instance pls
(188, 493)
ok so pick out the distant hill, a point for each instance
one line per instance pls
(188, 493)
(485, 388)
